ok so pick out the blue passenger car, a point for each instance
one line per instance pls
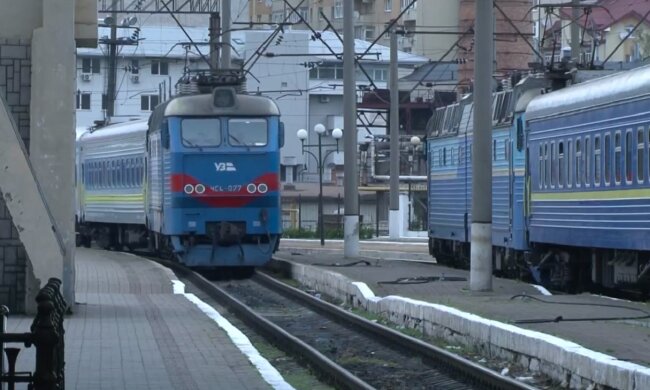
(590, 194)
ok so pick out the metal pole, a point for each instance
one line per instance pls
(351, 185)
(320, 190)
(299, 212)
(481, 236)
(215, 27)
(112, 64)
(393, 214)
(575, 31)
(377, 214)
(226, 25)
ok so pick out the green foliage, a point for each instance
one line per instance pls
(366, 233)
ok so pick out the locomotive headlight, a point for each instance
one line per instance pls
(251, 188)
(199, 189)
(189, 189)
(262, 188)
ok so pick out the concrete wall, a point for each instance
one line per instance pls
(15, 82)
(37, 51)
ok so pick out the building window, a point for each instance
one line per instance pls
(380, 74)
(388, 5)
(338, 10)
(104, 101)
(160, 67)
(320, 13)
(369, 34)
(83, 101)
(90, 65)
(148, 102)
(135, 67)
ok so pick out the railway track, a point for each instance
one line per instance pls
(346, 350)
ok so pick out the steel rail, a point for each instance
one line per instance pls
(341, 377)
(476, 372)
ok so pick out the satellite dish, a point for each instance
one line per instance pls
(133, 20)
(109, 21)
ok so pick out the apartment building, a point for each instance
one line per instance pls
(372, 17)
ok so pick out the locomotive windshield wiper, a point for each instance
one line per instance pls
(248, 147)
(191, 144)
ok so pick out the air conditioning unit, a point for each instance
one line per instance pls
(324, 99)
(135, 78)
(86, 76)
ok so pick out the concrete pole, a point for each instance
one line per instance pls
(575, 31)
(226, 25)
(112, 65)
(351, 183)
(215, 29)
(393, 214)
(480, 277)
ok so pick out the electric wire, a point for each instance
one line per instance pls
(646, 314)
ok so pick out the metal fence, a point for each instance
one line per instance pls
(46, 335)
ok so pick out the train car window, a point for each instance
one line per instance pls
(520, 134)
(248, 132)
(129, 173)
(540, 171)
(547, 167)
(618, 162)
(119, 173)
(560, 164)
(494, 150)
(640, 153)
(607, 157)
(586, 158)
(506, 149)
(553, 166)
(569, 163)
(102, 174)
(597, 161)
(629, 150)
(200, 132)
(444, 156)
(578, 173)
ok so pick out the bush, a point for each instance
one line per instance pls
(365, 233)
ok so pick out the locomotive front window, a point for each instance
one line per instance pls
(248, 132)
(201, 132)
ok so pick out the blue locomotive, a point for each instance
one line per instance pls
(199, 180)
(570, 188)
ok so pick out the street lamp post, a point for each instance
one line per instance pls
(415, 142)
(302, 136)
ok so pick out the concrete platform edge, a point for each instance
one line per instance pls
(563, 360)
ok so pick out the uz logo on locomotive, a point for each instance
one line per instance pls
(225, 167)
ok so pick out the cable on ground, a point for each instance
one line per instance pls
(425, 279)
(646, 315)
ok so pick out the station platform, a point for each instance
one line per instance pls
(583, 340)
(133, 327)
